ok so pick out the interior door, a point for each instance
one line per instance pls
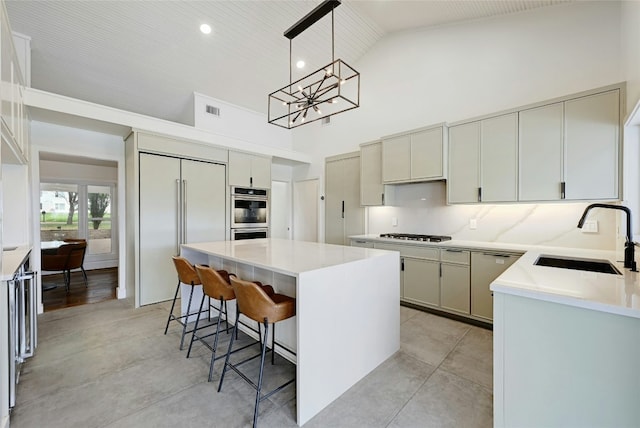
(204, 198)
(334, 200)
(159, 194)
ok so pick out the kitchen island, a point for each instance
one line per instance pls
(347, 313)
(566, 344)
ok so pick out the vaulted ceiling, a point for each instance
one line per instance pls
(149, 56)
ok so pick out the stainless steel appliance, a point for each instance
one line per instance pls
(22, 324)
(414, 237)
(239, 234)
(249, 210)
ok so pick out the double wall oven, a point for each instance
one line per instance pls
(249, 213)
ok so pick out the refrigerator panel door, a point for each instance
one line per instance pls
(159, 216)
(205, 208)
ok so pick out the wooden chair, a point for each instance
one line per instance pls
(67, 258)
(79, 241)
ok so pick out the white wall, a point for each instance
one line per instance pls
(417, 78)
(630, 41)
(46, 137)
(15, 196)
(630, 14)
(65, 171)
(240, 123)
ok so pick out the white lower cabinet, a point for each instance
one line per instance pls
(485, 268)
(454, 280)
(421, 281)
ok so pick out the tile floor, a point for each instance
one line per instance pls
(109, 365)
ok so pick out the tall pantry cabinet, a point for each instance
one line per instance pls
(343, 214)
(173, 199)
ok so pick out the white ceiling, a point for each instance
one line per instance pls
(149, 56)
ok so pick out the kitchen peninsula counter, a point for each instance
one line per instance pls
(347, 314)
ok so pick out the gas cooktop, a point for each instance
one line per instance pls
(412, 237)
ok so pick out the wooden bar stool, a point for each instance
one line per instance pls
(187, 275)
(255, 304)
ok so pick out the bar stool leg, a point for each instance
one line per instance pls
(195, 327)
(215, 341)
(186, 318)
(273, 344)
(226, 360)
(172, 306)
(262, 355)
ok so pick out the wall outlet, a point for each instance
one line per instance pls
(473, 224)
(394, 221)
(590, 226)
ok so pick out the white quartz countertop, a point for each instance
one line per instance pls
(12, 260)
(617, 294)
(470, 245)
(285, 256)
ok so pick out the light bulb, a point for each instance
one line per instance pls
(329, 72)
(300, 64)
(300, 88)
(342, 82)
(205, 28)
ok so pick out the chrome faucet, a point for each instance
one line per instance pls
(629, 256)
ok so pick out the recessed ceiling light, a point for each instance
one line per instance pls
(300, 64)
(205, 28)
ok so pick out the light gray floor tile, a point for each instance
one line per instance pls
(407, 313)
(447, 400)
(472, 359)
(377, 398)
(430, 338)
(109, 364)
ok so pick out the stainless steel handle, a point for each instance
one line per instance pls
(342, 209)
(360, 242)
(184, 211)
(497, 255)
(453, 251)
(479, 194)
(382, 198)
(178, 214)
(563, 188)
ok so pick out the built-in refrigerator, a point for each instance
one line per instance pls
(181, 201)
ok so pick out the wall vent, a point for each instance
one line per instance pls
(213, 110)
(325, 121)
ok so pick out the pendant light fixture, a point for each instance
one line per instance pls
(330, 90)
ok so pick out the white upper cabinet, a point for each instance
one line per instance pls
(592, 126)
(396, 159)
(249, 170)
(541, 135)
(483, 160)
(464, 154)
(414, 156)
(14, 115)
(570, 150)
(499, 159)
(371, 187)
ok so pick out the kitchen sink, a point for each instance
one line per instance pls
(590, 265)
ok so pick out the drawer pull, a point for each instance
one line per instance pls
(453, 251)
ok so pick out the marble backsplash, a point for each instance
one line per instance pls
(421, 208)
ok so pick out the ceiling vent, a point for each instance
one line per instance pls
(213, 110)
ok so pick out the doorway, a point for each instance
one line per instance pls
(280, 209)
(76, 207)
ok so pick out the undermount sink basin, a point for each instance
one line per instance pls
(590, 265)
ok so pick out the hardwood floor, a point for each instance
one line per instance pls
(102, 285)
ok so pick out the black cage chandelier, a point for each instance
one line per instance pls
(330, 90)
